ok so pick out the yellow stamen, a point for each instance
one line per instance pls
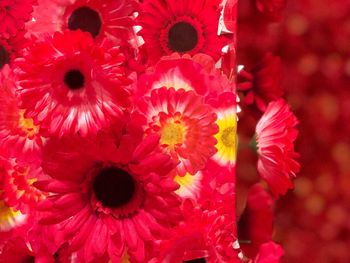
(173, 133)
(27, 125)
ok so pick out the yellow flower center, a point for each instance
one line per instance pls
(173, 133)
(228, 136)
(27, 125)
(226, 139)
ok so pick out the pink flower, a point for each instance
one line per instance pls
(275, 136)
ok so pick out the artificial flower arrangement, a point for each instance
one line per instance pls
(118, 134)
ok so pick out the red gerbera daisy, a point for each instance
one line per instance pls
(68, 84)
(13, 15)
(19, 137)
(109, 199)
(275, 135)
(205, 236)
(111, 19)
(264, 84)
(186, 126)
(181, 26)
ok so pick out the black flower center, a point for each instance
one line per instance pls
(197, 260)
(4, 57)
(182, 37)
(74, 79)
(85, 19)
(114, 187)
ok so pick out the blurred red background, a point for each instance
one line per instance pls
(313, 40)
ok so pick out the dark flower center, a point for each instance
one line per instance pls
(74, 79)
(28, 259)
(197, 260)
(182, 37)
(114, 187)
(85, 19)
(4, 57)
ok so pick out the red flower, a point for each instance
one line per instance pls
(185, 124)
(181, 26)
(13, 15)
(275, 136)
(264, 84)
(108, 19)
(68, 84)
(109, 199)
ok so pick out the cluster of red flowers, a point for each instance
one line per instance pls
(118, 133)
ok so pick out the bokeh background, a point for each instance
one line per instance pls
(312, 37)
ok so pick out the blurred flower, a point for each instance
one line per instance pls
(275, 136)
(264, 83)
(271, 9)
(255, 224)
